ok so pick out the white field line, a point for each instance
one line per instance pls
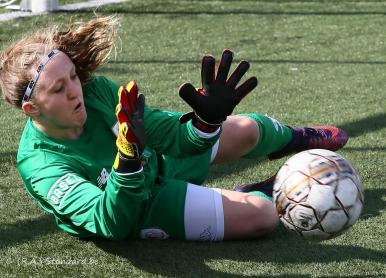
(69, 7)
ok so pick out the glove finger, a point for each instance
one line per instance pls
(121, 96)
(224, 66)
(120, 111)
(131, 96)
(120, 90)
(246, 87)
(237, 74)
(190, 95)
(121, 116)
(207, 70)
(137, 122)
(124, 107)
(140, 105)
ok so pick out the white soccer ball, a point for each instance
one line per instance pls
(318, 194)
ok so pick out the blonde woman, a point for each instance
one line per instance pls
(105, 164)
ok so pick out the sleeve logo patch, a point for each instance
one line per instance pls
(114, 128)
(61, 188)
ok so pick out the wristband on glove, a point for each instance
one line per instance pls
(131, 137)
(218, 96)
(199, 123)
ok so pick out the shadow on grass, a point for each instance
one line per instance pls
(365, 125)
(119, 9)
(255, 61)
(182, 258)
(240, 166)
(179, 258)
(374, 202)
(365, 149)
(26, 230)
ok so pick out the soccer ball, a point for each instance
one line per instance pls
(318, 194)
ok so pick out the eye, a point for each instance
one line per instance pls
(59, 89)
(74, 76)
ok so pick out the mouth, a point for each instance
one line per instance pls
(78, 107)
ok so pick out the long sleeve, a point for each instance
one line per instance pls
(167, 136)
(164, 132)
(81, 208)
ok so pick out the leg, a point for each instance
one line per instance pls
(213, 214)
(239, 136)
(192, 212)
(256, 136)
(247, 216)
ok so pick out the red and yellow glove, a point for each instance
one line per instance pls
(131, 138)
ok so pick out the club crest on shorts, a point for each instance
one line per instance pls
(153, 233)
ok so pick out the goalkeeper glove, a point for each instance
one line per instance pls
(218, 96)
(131, 138)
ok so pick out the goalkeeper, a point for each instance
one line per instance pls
(105, 164)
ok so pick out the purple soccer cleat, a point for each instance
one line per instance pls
(314, 137)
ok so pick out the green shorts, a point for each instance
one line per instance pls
(193, 169)
(164, 215)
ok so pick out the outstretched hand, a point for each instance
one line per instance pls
(218, 96)
(131, 138)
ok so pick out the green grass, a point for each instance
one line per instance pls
(318, 62)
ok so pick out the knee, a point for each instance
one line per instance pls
(249, 130)
(265, 220)
(268, 219)
(247, 215)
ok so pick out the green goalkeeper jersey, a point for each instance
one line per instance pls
(74, 180)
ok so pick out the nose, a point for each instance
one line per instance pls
(74, 90)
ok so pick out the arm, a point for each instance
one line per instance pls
(62, 186)
(211, 104)
(164, 132)
(167, 136)
(81, 207)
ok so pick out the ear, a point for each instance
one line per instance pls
(30, 109)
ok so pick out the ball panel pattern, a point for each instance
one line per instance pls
(318, 194)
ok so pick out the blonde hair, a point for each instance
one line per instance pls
(87, 44)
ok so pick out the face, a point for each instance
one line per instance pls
(58, 96)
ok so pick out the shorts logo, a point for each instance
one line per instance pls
(61, 188)
(206, 234)
(275, 123)
(114, 128)
(153, 233)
